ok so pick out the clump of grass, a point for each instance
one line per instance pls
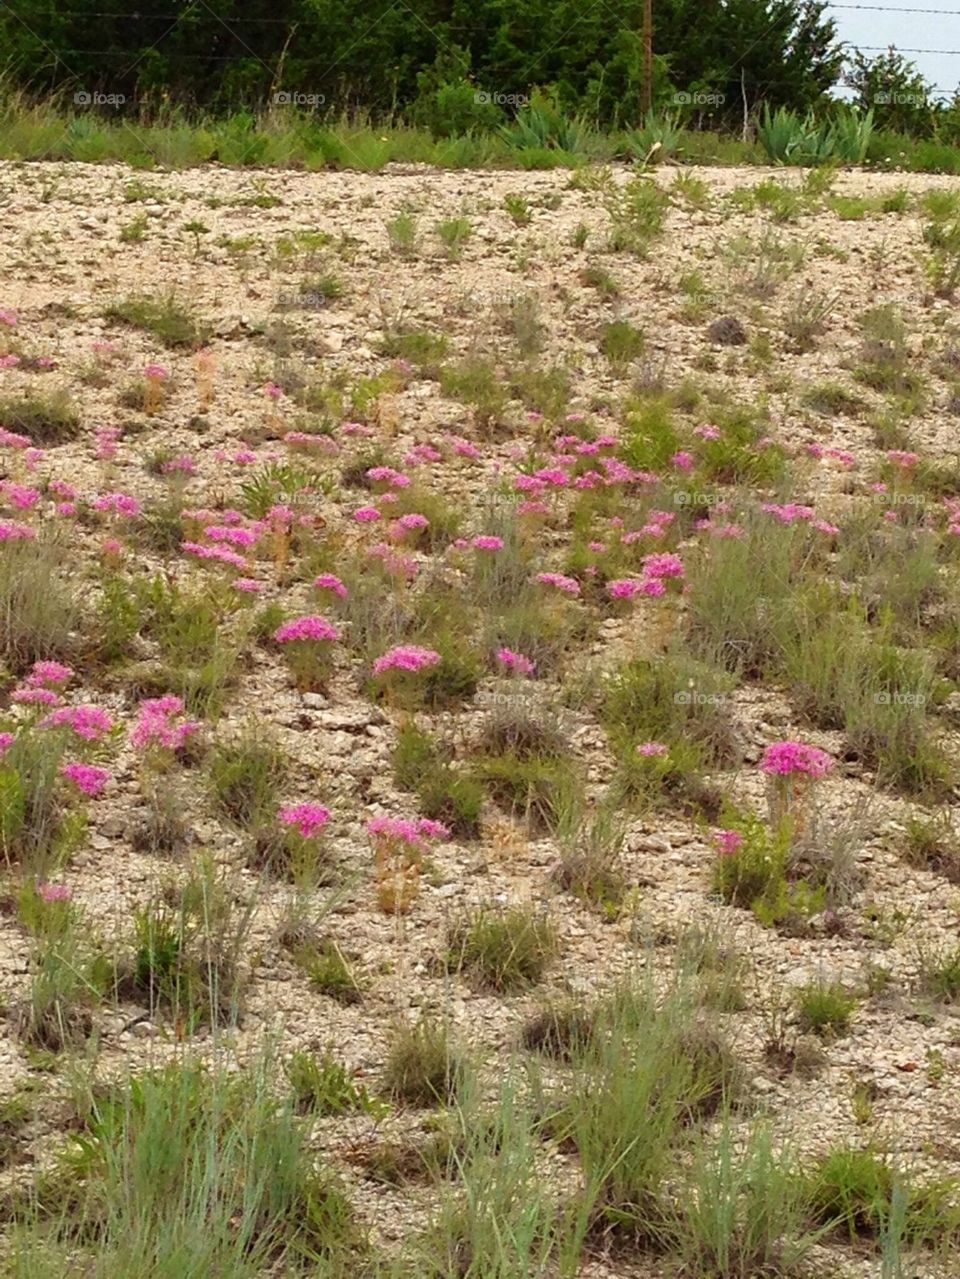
(423, 1068)
(324, 1086)
(825, 1008)
(559, 1030)
(188, 947)
(69, 975)
(193, 1172)
(591, 865)
(670, 699)
(403, 235)
(932, 844)
(46, 418)
(474, 382)
(454, 234)
(164, 318)
(856, 1192)
(246, 776)
(648, 1072)
(743, 1210)
(940, 973)
(539, 789)
(327, 970)
(502, 950)
(621, 343)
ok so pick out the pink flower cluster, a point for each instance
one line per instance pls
(307, 818)
(118, 503)
(159, 723)
(727, 842)
(785, 758)
(330, 582)
(515, 661)
(89, 722)
(87, 778)
(312, 627)
(569, 585)
(405, 830)
(406, 657)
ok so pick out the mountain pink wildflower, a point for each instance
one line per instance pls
(649, 749)
(6, 741)
(515, 661)
(463, 448)
(727, 842)
(106, 442)
(19, 496)
(8, 317)
(487, 542)
(87, 778)
(406, 657)
(89, 722)
(47, 672)
(366, 514)
(307, 818)
(707, 432)
(568, 585)
(622, 588)
(11, 531)
(387, 475)
(54, 893)
(118, 503)
(901, 457)
(310, 627)
(182, 465)
(330, 582)
(159, 723)
(663, 565)
(788, 757)
(35, 696)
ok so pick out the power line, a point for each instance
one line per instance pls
(883, 8)
(882, 48)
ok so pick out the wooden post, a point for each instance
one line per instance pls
(647, 55)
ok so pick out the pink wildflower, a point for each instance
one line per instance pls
(307, 818)
(54, 893)
(89, 722)
(86, 777)
(406, 657)
(330, 582)
(311, 627)
(727, 842)
(568, 585)
(784, 758)
(515, 661)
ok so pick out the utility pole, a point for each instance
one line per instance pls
(647, 101)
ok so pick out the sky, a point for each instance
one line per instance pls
(881, 25)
